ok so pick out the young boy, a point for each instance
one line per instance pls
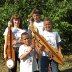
(54, 40)
(37, 22)
(26, 55)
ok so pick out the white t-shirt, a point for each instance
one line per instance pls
(29, 63)
(39, 26)
(17, 33)
(52, 38)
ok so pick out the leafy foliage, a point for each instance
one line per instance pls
(60, 11)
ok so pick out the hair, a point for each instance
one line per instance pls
(16, 16)
(48, 19)
(24, 33)
(36, 11)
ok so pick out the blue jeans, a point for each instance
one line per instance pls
(44, 63)
(54, 66)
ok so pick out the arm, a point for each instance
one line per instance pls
(59, 43)
(17, 42)
(5, 46)
(25, 54)
(59, 48)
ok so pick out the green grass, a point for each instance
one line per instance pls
(67, 67)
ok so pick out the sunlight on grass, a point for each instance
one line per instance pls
(67, 63)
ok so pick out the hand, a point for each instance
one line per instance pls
(5, 56)
(14, 42)
(62, 55)
(30, 49)
(20, 41)
(41, 47)
(32, 46)
(31, 27)
(49, 54)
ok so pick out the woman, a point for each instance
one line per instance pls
(17, 31)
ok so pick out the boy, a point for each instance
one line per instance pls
(26, 55)
(37, 22)
(54, 40)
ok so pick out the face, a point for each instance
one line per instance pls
(26, 39)
(16, 22)
(48, 25)
(36, 17)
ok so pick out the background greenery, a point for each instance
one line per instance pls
(60, 11)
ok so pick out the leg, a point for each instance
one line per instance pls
(49, 68)
(54, 66)
(44, 62)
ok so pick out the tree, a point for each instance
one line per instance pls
(60, 11)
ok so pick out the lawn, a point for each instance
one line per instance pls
(67, 67)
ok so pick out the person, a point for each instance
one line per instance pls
(26, 54)
(16, 27)
(53, 38)
(37, 23)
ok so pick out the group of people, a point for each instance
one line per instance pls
(24, 50)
